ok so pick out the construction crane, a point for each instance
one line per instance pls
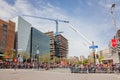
(56, 34)
(84, 37)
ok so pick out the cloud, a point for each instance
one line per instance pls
(77, 44)
(6, 10)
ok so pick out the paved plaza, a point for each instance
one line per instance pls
(56, 74)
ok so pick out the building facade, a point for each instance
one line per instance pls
(115, 51)
(29, 39)
(82, 58)
(7, 36)
(62, 45)
(105, 56)
(23, 29)
(40, 43)
(52, 45)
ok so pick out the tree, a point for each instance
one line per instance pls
(85, 61)
(25, 55)
(45, 57)
(100, 58)
(90, 60)
(9, 54)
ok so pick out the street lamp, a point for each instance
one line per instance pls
(113, 16)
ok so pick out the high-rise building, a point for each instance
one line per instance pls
(39, 43)
(23, 29)
(62, 45)
(29, 39)
(7, 36)
(52, 41)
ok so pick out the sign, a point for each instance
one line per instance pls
(15, 60)
(20, 59)
(37, 51)
(93, 47)
(114, 42)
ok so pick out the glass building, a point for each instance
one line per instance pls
(29, 39)
(22, 36)
(40, 43)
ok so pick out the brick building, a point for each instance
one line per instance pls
(7, 36)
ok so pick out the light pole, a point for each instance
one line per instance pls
(113, 16)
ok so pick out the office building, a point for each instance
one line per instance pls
(40, 43)
(29, 39)
(7, 36)
(23, 29)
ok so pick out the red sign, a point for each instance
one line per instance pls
(63, 63)
(114, 42)
(15, 60)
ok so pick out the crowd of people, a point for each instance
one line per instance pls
(74, 68)
(30, 65)
(99, 68)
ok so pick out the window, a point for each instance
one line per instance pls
(4, 26)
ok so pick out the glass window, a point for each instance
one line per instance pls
(4, 26)
(40, 43)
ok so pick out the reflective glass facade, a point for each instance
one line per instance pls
(40, 43)
(30, 39)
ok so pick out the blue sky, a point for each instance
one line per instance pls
(91, 18)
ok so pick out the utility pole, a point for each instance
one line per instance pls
(94, 55)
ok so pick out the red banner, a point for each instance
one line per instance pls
(114, 42)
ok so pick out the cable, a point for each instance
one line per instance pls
(75, 30)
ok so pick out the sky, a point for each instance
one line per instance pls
(89, 20)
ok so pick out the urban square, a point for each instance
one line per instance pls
(59, 40)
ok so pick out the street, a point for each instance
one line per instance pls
(56, 74)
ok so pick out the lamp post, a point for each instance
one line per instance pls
(113, 16)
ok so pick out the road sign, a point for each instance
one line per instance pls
(37, 51)
(20, 59)
(93, 47)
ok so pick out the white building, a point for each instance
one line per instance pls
(23, 29)
(115, 51)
